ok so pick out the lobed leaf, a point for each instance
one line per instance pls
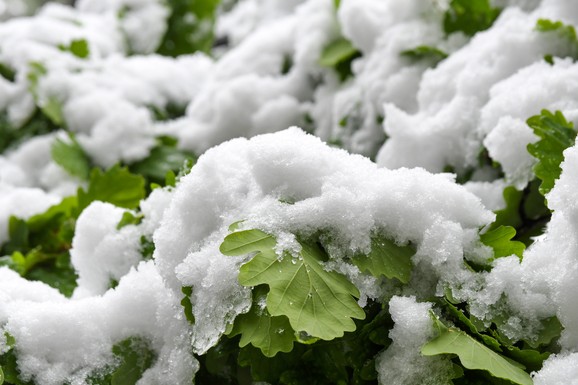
(556, 135)
(318, 302)
(258, 328)
(500, 240)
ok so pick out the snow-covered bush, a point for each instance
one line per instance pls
(288, 192)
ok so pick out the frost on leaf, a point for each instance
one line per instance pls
(387, 259)
(318, 302)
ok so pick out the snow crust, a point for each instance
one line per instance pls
(402, 363)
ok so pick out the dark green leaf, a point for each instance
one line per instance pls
(187, 304)
(136, 356)
(469, 16)
(427, 53)
(117, 186)
(387, 259)
(556, 134)
(71, 157)
(500, 240)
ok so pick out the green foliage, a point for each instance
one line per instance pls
(190, 27)
(1, 376)
(565, 32)
(134, 356)
(187, 304)
(469, 16)
(10, 373)
(164, 158)
(426, 53)
(38, 247)
(318, 302)
(7, 72)
(556, 134)
(117, 186)
(387, 259)
(500, 240)
(128, 218)
(78, 48)
(71, 157)
(10, 136)
(260, 329)
(474, 355)
(339, 54)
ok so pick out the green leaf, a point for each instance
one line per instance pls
(317, 302)
(1, 376)
(136, 356)
(162, 160)
(338, 55)
(187, 304)
(336, 52)
(258, 328)
(190, 27)
(387, 259)
(469, 16)
(71, 157)
(474, 355)
(551, 330)
(78, 48)
(129, 218)
(565, 32)
(556, 135)
(426, 53)
(500, 240)
(117, 186)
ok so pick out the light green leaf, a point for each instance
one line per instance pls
(336, 52)
(500, 240)
(1, 376)
(52, 108)
(317, 302)
(387, 259)
(117, 186)
(258, 328)
(71, 157)
(474, 355)
(566, 32)
(556, 135)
